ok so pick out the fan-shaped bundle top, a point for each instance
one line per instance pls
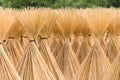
(114, 27)
(99, 19)
(16, 29)
(5, 24)
(33, 21)
(82, 25)
(66, 21)
(50, 21)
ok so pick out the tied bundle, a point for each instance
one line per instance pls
(32, 65)
(96, 63)
(44, 47)
(7, 70)
(113, 29)
(13, 48)
(67, 59)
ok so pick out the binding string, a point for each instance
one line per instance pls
(89, 34)
(42, 37)
(32, 40)
(11, 38)
(24, 36)
(21, 37)
(4, 40)
(8, 38)
(1, 42)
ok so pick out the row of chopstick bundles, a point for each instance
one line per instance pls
(59, 44)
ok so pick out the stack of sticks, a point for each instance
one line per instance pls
(59, 44)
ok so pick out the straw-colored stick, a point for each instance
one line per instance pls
(84, 49)
(50, 60)
(57, 33)
(95, 64)
(14, 54)
(8, 72)
(53, 42)
(112, 49)
(58, 47)
(76, 43)
(114, 71)
(32, 66)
